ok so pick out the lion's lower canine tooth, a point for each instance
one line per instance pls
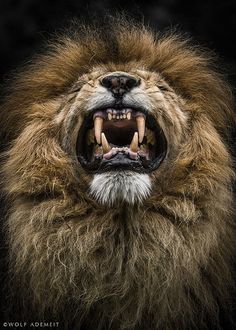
(128, 115)
(105, 145)
(134, 144)
(98, 124)
(140, 120)
(109, 116)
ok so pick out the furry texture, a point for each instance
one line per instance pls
(163, 264)
(110, 188)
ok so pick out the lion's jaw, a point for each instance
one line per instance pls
(121, 184)
(126, 186)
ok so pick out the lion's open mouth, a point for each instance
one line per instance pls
(125, 138)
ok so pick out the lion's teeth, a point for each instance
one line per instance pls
(105, 145)
(109, 116)
(98, 125)
(134, 144)
(140, 120)
(128, 115)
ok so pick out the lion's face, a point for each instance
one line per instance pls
(122, 126)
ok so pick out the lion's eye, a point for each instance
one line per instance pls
(76, 87)
(163, 88)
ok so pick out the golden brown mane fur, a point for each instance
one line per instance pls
(166, 263)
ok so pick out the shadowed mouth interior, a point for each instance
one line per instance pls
(124, 138)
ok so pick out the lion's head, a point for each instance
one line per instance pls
(118, 179)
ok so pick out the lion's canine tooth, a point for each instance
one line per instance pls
(109, 116)
(140, 120)
(105, 145)
(128, 115)
(98, 124)
(134, 144)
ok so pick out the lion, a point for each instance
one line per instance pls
(117, 176)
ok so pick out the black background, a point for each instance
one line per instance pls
(26, 24)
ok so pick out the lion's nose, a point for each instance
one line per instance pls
(119, 84)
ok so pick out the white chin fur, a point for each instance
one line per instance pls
(111, 187)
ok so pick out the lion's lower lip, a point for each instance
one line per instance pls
(123, 150)
(120, 138)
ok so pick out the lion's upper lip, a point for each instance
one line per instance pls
(114, 137)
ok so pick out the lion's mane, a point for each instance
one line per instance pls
(167, 263)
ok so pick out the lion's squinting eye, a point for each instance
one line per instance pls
(121, 135)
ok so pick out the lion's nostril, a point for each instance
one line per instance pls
(119, 84)
(107, 82)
